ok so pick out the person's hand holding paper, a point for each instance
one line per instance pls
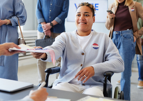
(44, 55)
(39, 55)
(5, 49)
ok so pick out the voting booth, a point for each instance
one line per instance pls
(101, 7)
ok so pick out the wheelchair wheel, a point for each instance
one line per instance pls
(116, 93)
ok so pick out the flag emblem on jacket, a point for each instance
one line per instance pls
(132, 9)
(95, 46)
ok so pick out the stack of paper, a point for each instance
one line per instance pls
(26, 48)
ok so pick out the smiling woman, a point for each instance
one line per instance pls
(84, 19)
(85, 56)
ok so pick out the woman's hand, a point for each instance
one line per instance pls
(39, 55)
(134, 38)
(2, 22)
(85, 74)
(4, 49)
(110, 15)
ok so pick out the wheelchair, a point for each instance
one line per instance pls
(107, 90)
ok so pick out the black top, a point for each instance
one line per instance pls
(123, 19)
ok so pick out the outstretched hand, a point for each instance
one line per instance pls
(4, 49)
(85, 74)
(39, 55)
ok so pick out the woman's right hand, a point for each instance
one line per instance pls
(1, 22)
(39, 55)
(110, 15)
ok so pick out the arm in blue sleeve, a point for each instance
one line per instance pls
(61, 17)
(39, 14)
(20, 12)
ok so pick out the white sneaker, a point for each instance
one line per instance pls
(140, 85)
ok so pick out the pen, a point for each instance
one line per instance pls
(42, 85)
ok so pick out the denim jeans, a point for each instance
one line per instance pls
(139, 59)
(124, 41)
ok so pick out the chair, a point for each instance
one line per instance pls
(107, 90)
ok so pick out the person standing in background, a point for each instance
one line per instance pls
(125, 35)
(139, 58)
(10, 12)
(51, 16)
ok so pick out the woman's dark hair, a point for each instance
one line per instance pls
(88, 5)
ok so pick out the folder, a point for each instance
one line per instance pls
(13, 86)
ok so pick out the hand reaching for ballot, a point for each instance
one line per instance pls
(39, 55)
(85, 74)
(4, 49)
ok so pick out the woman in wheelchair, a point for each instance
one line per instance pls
(85, 55)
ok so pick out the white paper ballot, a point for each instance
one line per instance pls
(26, 48)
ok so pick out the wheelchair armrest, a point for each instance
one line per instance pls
(107, 91)
(52, 70)
(108, 75)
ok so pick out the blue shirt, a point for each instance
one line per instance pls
(49, 10)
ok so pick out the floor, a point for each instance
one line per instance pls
(29, 74)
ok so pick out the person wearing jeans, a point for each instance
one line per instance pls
(139, 57)
(51, 16)
(125, 35)
(10, 12)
